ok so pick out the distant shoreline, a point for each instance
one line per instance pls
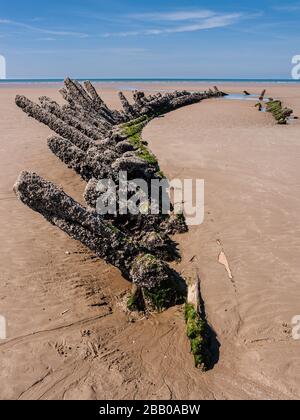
(154, 80)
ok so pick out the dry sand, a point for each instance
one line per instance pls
(67, 335)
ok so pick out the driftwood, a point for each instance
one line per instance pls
(98, 143)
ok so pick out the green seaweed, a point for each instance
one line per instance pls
(135, 140)
(133, 303)
(196, 332)
(160, 174)
(146, 155)
(139, 120)
(190, 312)
(133, 131)
(280, 114)
(165, 295)
(160, 297)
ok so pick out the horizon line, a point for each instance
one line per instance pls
(149, 79)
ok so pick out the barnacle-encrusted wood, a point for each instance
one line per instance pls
(98, 143)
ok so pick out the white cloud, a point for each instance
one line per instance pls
(174, 16)
(83, 51)
(48, 38)
(197, 21)
(42, 30)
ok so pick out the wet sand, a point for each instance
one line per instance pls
(67, 335)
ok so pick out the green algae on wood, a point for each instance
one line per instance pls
(196, 332)
(280, 113)
(133, 131)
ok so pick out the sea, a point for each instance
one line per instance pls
(157, 80)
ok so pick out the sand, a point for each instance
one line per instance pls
(67, 335)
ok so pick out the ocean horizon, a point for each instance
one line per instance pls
(150, 80)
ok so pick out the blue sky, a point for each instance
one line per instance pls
(147, 39)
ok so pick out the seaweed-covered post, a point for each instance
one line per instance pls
(196, 325)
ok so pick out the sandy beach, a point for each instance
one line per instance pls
(68, 338)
